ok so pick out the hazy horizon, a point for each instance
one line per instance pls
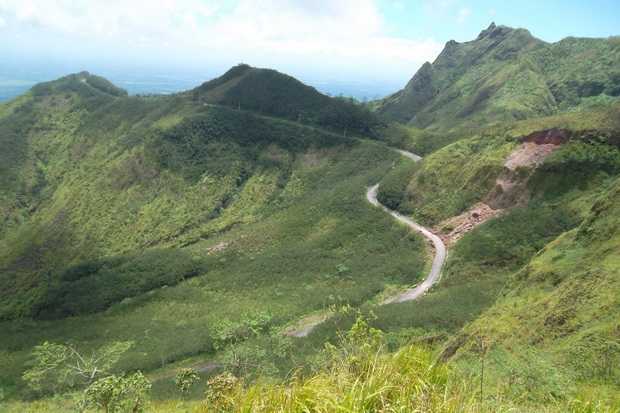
(360, 48)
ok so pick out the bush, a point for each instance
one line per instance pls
(394, 185)
(94, 286)
(114, 394)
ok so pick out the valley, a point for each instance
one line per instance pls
(289, 249)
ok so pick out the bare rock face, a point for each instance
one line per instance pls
(511, 185)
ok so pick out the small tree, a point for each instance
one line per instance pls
(220, 392)
(114, 394)
(59, 366)
(185, 379)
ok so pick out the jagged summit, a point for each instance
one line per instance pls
(504, 74)
(487, 31)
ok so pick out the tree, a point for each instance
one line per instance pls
(114, 394)
(185, 379)
(59, 366)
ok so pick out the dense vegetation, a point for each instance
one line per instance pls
(504, 75)
(247, 223)
(274, 93)
(157, 252)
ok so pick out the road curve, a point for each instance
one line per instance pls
(440, 249)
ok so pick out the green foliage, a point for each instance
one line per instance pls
(359, 377)
(220, 390)
(252, 222)
(276, 94)
(575, 164)
(185, 379)
(505, 75)
(82, 83)
(510, 240)
(114, 394)
(272, 246)
(226, 331)
(449, 181)
(558, 310)
(93, 286)
(261, 357)
(57, 367)
(393, 186)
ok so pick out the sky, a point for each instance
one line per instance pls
(366, 41)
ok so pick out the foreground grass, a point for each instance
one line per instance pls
(358, 376)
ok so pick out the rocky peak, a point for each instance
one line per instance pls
(494, 31)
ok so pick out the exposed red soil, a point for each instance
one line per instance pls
(452, 229)
(510, 186)
(552, 136)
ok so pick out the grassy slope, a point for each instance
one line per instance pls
(456, 176)
(503, 76)
(273, 93)
(556, 329)
(524, 366)
(145, 187)
(552, 332)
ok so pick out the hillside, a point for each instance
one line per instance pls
(183, 228)
(528, 214)
(506, 74)
(181, 242)
(273, 93)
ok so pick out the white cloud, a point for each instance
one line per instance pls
(463, 14)
(331, 32)
(2, 22)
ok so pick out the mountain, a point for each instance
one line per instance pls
(91, 180)
(179, 226)
(191, 237)
(506, 74)
(276, 94)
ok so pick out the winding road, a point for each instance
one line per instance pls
(408, 295)
(440, 248)
(438, 260)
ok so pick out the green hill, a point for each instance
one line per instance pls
(506, 74)
(181, 227)
(273, 93)
(198, 230)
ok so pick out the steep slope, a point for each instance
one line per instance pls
(456, 177)
(273, 93)
(506, 74)
(555, 328)
(537, 281)
(182, 227)
(91, 174)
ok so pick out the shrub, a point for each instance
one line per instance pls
(114, 394)
(185, 379)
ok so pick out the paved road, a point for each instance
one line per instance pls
(438, 260)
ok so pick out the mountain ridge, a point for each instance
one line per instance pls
(505, 74)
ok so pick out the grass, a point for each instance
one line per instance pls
(201, 233)
(506, 75)
(283, 266)
(447, 182)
